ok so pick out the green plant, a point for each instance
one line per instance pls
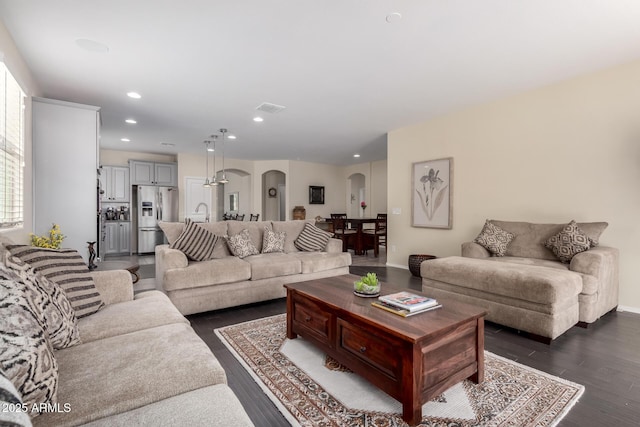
(367, 284)
(52, 241)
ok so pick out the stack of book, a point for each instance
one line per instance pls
(406, 304)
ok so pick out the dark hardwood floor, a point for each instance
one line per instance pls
(605, 358)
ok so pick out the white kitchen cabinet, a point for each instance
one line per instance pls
(150, 173)
(65, 161)
(115, 183)
(117, 237)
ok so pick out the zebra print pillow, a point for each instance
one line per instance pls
(60, 318)
(12, 413)
(26, 356)
(66, 268)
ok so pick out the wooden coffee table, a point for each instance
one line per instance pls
(412, 359)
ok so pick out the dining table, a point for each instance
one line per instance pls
(357, 224)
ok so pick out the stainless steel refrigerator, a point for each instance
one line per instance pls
(154, 204)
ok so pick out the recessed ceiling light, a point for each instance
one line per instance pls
(231, 137)
(92, 46)
(125, 140)
(131, 121)
(356, 155)
(134, 95)
(210, 149)
(258, 119)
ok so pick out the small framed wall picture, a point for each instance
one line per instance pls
(316, 195)
(272, 192)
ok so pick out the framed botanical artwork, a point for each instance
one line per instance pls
(432, 193)
(316, 195)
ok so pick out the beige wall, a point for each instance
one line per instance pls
(121, 158)
(15, 63)
(567, 151)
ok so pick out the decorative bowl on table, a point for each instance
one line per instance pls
(367, 287)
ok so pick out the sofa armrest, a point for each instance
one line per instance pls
(600, 262)
(334, 245)
(167, 259)
(474, 250)
(114, 285)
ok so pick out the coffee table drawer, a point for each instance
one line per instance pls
(311, 318)
(379, 352)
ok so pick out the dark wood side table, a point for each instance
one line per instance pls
(130, 266)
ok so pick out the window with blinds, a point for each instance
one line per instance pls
(11, 150)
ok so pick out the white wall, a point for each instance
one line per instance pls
(15, 63)
(562, 152)
(121, 158)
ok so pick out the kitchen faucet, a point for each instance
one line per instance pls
(206, 210)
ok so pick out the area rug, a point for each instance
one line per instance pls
(311, 389)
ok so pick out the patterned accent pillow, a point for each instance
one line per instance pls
(26, 356)
(66, 268)
(195, 242)
(240, 244)
(494, 239)
(11, 413)
(60, 319)
(569, 242)
(312, 239)
(273, 241)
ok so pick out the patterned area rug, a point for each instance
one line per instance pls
(311, 389)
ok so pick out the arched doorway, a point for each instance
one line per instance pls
(274, 199)
(356, 194)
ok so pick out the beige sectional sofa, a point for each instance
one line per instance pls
(529, 288)
(139, 363)
(227, 280)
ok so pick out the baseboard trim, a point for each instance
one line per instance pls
(629, 309)
(404, 267)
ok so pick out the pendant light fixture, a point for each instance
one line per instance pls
(214, 181)
(207, 184)
(223, 179)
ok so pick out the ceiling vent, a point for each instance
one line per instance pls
(268, 107)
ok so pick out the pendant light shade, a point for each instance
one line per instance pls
(223, 179)
(214, 181)
(207, 183)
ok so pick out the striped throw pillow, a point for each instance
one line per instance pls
(195, 242)
(312, 239)
(66, 268)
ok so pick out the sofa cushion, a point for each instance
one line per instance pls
(125, 372)
(273, 241)
(26, 356)
(292, 229)
(172, 230)
(255, 229)
(312, 239)
(494, 239)
(207, 273)
(195, 242)
(541, 285)
(265, 266)
(11, 414)
(569, 242)
(212, 406)
(530, 237)
(60, 319)
(313, 262)
(240, 244)
(67, 268)
(148, 310)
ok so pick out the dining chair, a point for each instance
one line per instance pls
(343, 233)
(240, 217)
(378, 235)
(254, 217)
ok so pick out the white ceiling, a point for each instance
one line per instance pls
(346, 76)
